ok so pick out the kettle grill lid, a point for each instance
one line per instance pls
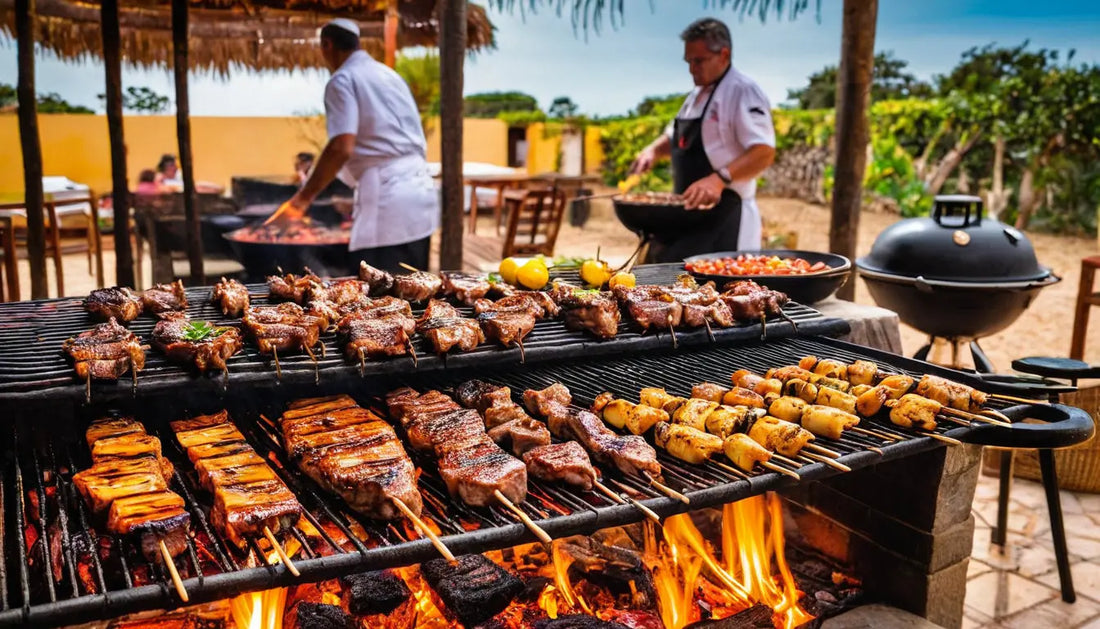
(955, 243)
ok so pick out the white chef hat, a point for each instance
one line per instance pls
(344, 23)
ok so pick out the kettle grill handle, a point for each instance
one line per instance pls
(1062, 426)
(971, 210)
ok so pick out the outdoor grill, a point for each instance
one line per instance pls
(981, 273)
(56, 569)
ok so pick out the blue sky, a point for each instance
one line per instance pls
(612, 71)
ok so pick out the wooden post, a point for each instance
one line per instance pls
(389, 32)
(857, 57)
(120, 189)
(183, 134)
(452, 55)
(25, 15)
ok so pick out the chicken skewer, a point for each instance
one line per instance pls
(232, 296)
(128, 483)
(565, 461)
(250, 500)
(356, 455)
(105, 352)
(284, 327)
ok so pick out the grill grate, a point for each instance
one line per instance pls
(101, 576)
(33, 366)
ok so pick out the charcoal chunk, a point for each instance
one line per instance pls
(320, 616)
(576, 621)
(378, 592)
(473, 588)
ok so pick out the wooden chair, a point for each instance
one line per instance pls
(10, 270)
(87, 208)
(534, 219)
(15, 219)
(1086, 299)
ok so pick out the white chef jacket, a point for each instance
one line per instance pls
(395, 198)
(739, 117)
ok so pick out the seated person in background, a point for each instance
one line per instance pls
(147, 182)
(303, 163)
(168, 174)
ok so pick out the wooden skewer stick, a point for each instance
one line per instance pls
(362, 362)
(837, 465)
(787, 460)
(974, 417)
(710, 332)
(88, 388)
(408, 267)
(944, 438)
(732, 470)
(412, 353)
(998, 414)
(133, 379)
(646, 511)
(782, 470)
(171, 565)
(873, 433)
(316, 367)
(672, 331)
(522, 352)
(531, 526)
(422, 526)
(666, 490)
(282, 553)
(278, 369)
(1021, 400)
(813, 447)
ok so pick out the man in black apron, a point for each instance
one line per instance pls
(742, 140)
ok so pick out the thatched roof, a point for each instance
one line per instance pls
(257, 35)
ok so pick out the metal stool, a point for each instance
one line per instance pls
(1064, 426)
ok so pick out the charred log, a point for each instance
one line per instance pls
(378, 592)
(755, 617)
(576, 621)
(473, 588)
(321, 616)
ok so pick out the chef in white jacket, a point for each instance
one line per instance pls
(720, 142)
(376, 140)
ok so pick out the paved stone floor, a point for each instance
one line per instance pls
(1019, 588)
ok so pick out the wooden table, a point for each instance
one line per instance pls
(501, 183)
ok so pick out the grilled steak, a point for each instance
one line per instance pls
(198, 342)
(105, 352)
(701, 304)
(417, 286)
(152, 518)
(508, 320)
(282, 327)
(471, 465)
(566, 462)
(291, 287)
(472, 587)
(232, 296)
(446, 328)
(749, 301)
(116, 302)
(379, 281)
(650, 306)
(594, 311)
(354, 454)
(248, 496)
(465, 287)
(164, 298)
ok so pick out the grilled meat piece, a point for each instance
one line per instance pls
(520, 435)
(152, 518)
(104, 482)
(566, 462)
(417, 286)
(472, 587)
(179, 338)
(510, 319)
(248, 495)
(282, 327)
(232, 296)
(381, 328)
(541, 402)
(379, 281)
(291, 287)
(650, 306)
(629, 454)
(701, 304)
(508, 425)
(124, 439)
(446, 328)
(338, 292)
(465, 287)
(105, 352)
(594, 311)
(471, 465)
(112, 427)
(749, 301)
(164, 298)
(116, 302)
(354, 454)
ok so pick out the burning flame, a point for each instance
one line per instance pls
(259, 610)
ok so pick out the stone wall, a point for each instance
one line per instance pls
(798, 173)
(904, 527)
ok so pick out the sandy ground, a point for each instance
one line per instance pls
(1044, 329)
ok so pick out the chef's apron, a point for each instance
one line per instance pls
(690, 164)
(395, 202)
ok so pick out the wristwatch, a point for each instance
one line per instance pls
(724, 175)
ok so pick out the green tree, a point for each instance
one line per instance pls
(141, 100)
(489, 104)
(421, 73)
(563, 107)
(52, 103)
(890, 82)
(668, 105)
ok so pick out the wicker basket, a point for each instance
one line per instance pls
(1078, 467)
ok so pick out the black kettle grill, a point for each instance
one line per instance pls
(955, 274)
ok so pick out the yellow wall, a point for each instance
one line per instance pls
(543, 147)
(76, 146)
(593, 150)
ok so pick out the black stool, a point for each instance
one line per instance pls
(1063, 426)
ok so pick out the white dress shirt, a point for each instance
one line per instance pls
(395, 200)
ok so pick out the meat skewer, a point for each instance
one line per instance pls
(197, 342)
(105, 352)
(117, 302)
(383, 327)
(592, 311)
(250, 500)
(128, 483)
(465, 287)
(446, 328)
(510, 319)
(651, 307)
(702, 305)
(232, 296)
(354, 454)
(291, 287)
(164, 298)
(283, 327)
(749, 301)
(474, 468)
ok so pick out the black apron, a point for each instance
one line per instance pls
(690, 164)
